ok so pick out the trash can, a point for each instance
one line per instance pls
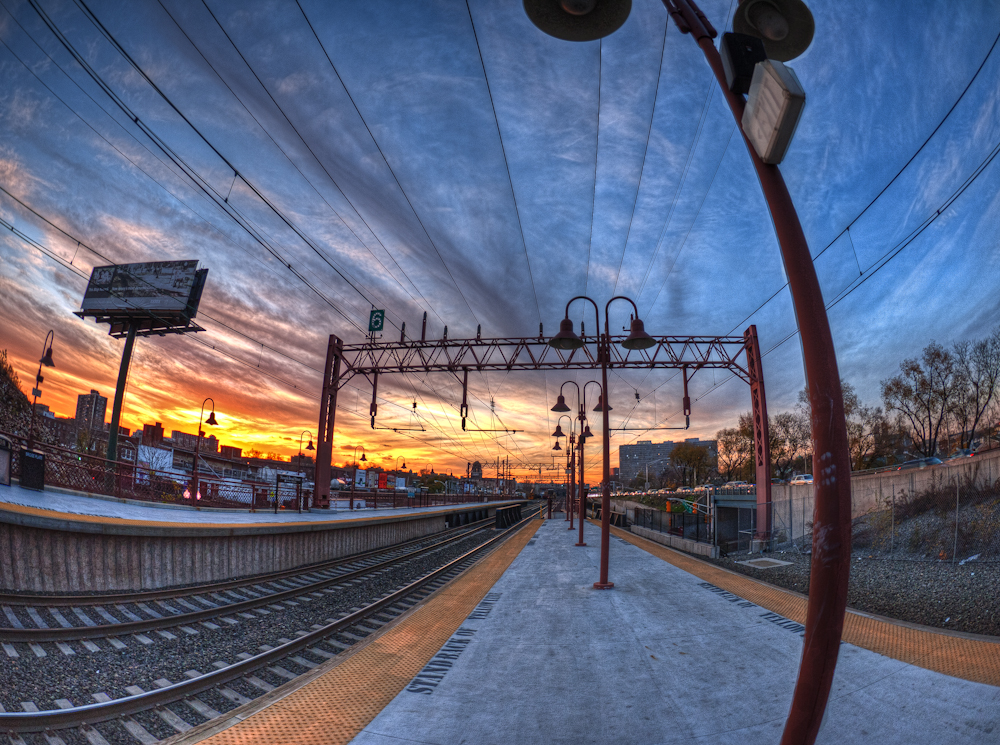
(33, 470)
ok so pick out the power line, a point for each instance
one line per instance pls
(506, 164)
(201, 183)
(645, 153)
(333, 67)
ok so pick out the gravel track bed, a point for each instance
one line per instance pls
(944, 595)
(42, 680)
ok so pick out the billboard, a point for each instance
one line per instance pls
(168, 288)
(360, 477)
(383, 481)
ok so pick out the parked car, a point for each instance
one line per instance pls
(919, 463)
(960, 453)
(802, 478)
(736, 485)
(778, 481)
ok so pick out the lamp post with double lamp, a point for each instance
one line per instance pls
(308, 447)
(570, 462)
(785, 28)
(45, 361)
(354, 478)
(195, 494)
(585, 433)
(568, 340)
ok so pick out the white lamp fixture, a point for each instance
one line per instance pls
(773, 109)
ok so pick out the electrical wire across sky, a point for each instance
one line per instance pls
(323, 162)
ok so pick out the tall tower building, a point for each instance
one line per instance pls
(90, 411)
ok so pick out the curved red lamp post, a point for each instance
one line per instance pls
(831, 551)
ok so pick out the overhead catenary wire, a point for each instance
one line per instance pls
(503, 150)
(645, 154)
(242, 177)
(392, 172)
(201, 183)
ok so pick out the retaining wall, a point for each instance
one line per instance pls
(88, 557)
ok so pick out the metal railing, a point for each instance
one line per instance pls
(83, 472)
(695, 527)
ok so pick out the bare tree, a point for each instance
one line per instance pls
(790, 443)
(735, 448)
(978, 370)
(924, 394)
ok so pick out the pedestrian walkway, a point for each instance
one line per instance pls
(533, 654)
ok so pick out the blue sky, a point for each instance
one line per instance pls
(486, 184)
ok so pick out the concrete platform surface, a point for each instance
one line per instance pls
(69, 505)
(664, 657)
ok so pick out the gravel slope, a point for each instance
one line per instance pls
(945, 595)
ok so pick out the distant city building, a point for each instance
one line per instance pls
(228, 451)
(90, 411)
(187, 441)
(152, 434)
(633, 459)
(43, 410)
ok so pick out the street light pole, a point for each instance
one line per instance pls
(46, 360)
(354, 478)
(195, 494)
(308, 447)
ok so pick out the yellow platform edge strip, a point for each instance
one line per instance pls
(339, 702)
(969, 659)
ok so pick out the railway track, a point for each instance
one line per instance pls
(149, 715)
(183, 608)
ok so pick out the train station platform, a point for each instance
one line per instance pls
(77, 510)
(522, 649)
(59, 542)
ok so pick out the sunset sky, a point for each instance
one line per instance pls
(449, 157)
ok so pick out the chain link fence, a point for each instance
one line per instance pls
(943, 513)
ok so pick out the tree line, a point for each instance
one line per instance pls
(946, 399)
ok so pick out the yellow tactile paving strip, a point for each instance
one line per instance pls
(969, 659)
(337, 705)
(101, 519)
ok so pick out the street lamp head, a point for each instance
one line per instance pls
(566, 338)
(558, 433)
(211, 419)
(600, 404)
(638, 338)
(578, 20)
(586, 433)
(47, 358)
(785, 26)
(557, 446)
(560, 404)
(310, 445)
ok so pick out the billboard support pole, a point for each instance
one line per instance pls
(327, 416)
(116, 412)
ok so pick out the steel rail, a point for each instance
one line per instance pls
(79, 716)
(75, 633)
(50, 601)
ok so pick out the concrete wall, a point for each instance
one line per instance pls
(793, 505)
(681, 544)
(34, 559)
